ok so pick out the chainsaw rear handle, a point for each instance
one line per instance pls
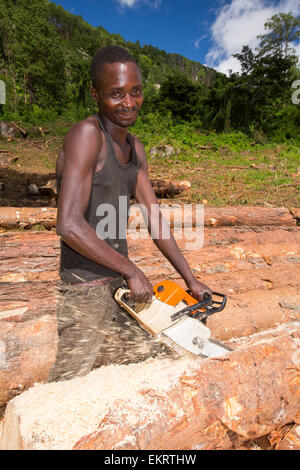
(214, 307)
(191, 308)
(209, 304)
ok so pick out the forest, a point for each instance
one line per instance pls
(45, 55)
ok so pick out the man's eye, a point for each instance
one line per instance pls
(115, 94)
(138, 92)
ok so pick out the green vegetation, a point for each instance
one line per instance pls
(235, 138)
(45, 55)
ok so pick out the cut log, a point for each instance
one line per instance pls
(238, 216)
(6, 159)
(49, 189)
(27, 351)
(26, 217)
(295, 211)
(15, 217)
(32, 190)
(165, 188)
(179, 404)
(23, 131)
(258, 270)
(291, 440)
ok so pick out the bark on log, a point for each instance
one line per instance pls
(295, 211)
(23, 131)
(209, 404)
(164, 188)
(26, 217)
(242, 395)
(27, 351)
(291, 440)
(232, 216)
(286, 438)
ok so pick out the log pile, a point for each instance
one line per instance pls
(197, 405)
(256, 266)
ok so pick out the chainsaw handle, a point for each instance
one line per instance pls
(222, 303)
(120, 293)
(208, 303)
(213, 308)
(187, 310)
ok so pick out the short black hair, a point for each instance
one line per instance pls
(109, 55)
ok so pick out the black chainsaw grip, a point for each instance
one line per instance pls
(187, 310)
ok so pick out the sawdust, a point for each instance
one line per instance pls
(56, 415)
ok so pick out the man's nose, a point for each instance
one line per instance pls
(129, 101)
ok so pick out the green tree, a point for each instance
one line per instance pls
(282, 30)
(181, 96)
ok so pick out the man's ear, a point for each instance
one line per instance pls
(94, 94)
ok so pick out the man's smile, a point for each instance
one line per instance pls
(128, 113)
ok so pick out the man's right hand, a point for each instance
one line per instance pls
(141, 290)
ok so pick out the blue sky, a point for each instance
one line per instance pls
(205, 31)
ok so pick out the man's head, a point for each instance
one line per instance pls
(117, 85)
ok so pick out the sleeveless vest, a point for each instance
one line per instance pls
(107, 214)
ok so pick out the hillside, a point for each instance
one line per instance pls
(45, 53)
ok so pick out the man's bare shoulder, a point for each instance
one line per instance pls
(82, 144)
(87, 128)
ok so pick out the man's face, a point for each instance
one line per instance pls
(119, 93)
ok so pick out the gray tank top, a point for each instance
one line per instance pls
(112, 185)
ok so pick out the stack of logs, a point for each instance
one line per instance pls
(250, 254)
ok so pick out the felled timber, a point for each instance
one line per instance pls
(164, 188)
(257, 268)
(233, 216)
(27, 217)
(192, 405)
(286, 438)
(295, 211)
(27, 351)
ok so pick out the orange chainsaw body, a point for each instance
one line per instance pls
(171, 293)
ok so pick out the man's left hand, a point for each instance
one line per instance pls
(198, 289)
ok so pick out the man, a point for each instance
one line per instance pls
(99, 164)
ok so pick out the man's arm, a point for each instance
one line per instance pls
(81, 149)
(145, 195)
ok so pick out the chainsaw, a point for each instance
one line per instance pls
(175, 318)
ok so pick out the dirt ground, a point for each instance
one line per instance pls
(32, 161)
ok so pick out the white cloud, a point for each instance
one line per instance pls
(229, 64)
(197, 42)
(238, 24)
(127, 3)
(131, 3)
